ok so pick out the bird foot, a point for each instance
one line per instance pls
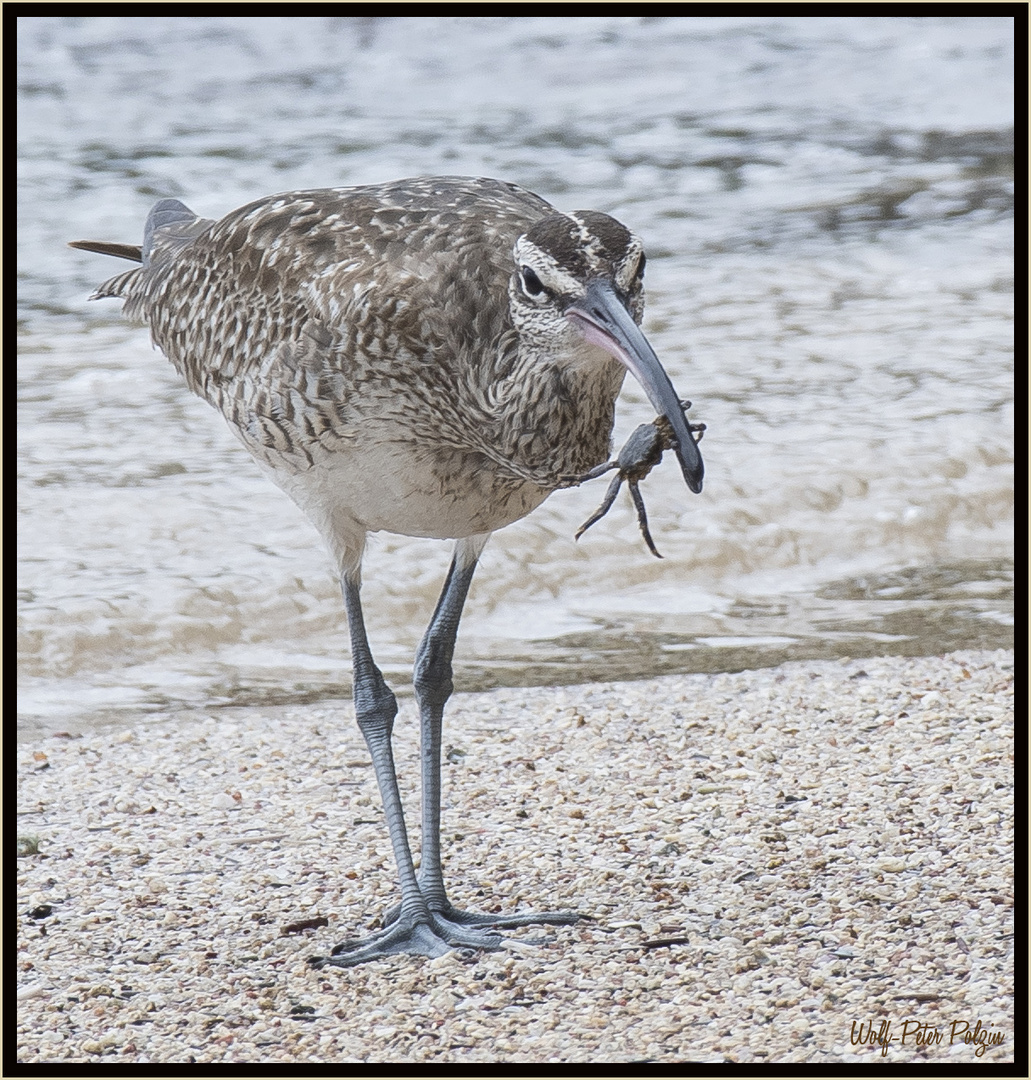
(639, 455)
(459, 917)
(437, 933)
(431, 935)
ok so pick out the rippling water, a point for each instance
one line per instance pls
(827, 205)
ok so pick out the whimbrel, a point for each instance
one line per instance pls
(431, 357)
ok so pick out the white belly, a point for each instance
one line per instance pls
(406, 489)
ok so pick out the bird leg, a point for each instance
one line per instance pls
(375, 707)
(639, 455)
(416, 929)
(433, 686)
(425, 922)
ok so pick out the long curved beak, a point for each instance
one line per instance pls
(603, 320)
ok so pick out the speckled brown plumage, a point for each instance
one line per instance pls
(325, 323)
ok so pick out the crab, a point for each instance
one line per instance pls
(639, 455)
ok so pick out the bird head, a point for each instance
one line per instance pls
(579, 278)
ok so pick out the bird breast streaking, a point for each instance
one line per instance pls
(431, 357)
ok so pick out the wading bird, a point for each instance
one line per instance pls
(431, 357)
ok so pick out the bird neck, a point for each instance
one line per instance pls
(554, 412)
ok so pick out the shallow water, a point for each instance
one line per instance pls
(827, 206)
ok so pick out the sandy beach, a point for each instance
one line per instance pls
(810, 863)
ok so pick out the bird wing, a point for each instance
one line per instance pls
(277, 312)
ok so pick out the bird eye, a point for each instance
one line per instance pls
(532, 284)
